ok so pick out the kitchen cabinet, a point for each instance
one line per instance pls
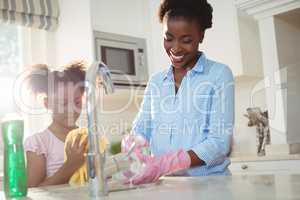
(287, 164)
(233, 39)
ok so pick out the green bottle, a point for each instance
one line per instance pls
(15, 176)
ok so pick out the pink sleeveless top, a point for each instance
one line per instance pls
(48, 145)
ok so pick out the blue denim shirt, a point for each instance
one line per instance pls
(199, 117)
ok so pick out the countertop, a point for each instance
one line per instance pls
(254, 158)
(264, 187)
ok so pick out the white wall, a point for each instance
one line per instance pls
(250, 45)
(73, 39)
(274, 94)
(222, 42)
(288, 38)
(287, 27)
(293, 99)
(35, 46)
(160, 60)
(128, 17)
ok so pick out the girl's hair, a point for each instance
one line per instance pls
(199, 10)
(40, 79)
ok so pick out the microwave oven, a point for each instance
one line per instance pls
(125, 56)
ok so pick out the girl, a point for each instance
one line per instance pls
(45, 150)
(187, 114)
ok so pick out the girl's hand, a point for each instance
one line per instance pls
(75, 151)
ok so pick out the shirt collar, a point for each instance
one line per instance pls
(169, 73)
(198, 68)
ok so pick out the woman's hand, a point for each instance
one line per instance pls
(75, 151)
(162, 165)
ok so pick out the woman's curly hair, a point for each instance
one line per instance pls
(200, 10)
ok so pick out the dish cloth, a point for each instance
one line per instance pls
(80, 177)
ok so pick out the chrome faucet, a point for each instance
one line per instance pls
(97, 74)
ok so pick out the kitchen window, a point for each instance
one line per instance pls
(10, 64)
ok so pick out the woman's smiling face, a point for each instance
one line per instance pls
(181, 41)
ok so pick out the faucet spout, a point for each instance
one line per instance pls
(98, 74)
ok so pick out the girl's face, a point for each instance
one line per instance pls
(66, 104)
(181, 41)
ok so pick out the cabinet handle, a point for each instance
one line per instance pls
(244, 166)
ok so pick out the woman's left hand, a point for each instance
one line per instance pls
(162, 165)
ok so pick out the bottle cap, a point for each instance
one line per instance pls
(11, 117)
(12, 128)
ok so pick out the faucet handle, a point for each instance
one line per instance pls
(106, 78)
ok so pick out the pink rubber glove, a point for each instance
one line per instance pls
(162, 165)
(138, 153)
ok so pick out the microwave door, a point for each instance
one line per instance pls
(121, 58)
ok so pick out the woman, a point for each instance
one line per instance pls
(187, 114)
(45, 150)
